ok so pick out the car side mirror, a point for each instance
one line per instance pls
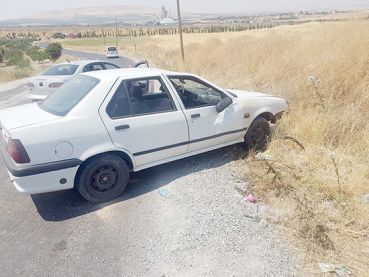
(223, 104)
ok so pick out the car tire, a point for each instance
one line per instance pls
(257, 137)
(103, 178)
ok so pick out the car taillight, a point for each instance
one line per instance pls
(55, 85)
(30, 85)
(17, 151)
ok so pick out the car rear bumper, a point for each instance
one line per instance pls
(41, 178)
(45, 182)
(37, 97)
(112, 55)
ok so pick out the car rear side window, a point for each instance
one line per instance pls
(140, 97)
(119, 105)
(61, 70)
(69, 94)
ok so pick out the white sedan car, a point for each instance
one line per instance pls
(111, 52)
(100, 126)
(42, 86)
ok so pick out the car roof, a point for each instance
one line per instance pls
(84, 62)
(130, 73)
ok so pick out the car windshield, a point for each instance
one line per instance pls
(111, 49)
(70, 94)
(61, 69)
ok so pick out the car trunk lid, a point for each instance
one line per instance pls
(42, 83)
(25, 115)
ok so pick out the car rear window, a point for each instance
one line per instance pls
(69, 94)
(61, 69)
(112, 49)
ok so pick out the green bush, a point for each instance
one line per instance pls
(38, 55)
(54, 50)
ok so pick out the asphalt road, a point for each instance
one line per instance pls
(185, 218)
(122, 61)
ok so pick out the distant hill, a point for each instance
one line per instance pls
(87, 16)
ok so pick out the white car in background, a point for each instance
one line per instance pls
(100, 126)
(111, 52)
(42, 86)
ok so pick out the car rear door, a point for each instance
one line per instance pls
(207, 127)
(143, 118)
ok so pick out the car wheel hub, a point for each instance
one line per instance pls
(104, 178)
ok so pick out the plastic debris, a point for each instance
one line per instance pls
(339, 269)
(163, 192)
(366, 198)
(251, 198)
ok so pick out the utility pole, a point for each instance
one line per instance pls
(180, 30)
(116, 32)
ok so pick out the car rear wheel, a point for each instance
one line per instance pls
(257, 136)
(103, 178)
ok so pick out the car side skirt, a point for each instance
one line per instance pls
(188, 142)
(189, 154)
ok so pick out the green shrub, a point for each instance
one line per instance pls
(38, 55)
(54, 50)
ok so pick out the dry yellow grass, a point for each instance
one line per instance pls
(319, 192)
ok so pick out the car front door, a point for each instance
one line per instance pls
(143, 118)
(208, 128)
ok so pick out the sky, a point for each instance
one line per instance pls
(23, 8)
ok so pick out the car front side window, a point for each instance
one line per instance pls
(195, 93)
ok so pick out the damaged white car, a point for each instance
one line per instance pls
(100, 126)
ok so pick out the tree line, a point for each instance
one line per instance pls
(18, 52)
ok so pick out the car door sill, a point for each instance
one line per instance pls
(188, 154)
(188, 142)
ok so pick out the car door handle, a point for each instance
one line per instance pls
(197, 115)
(121, 127)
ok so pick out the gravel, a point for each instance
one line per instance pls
(205, 227)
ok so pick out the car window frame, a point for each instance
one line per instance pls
(198, 80)
(123, 82)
